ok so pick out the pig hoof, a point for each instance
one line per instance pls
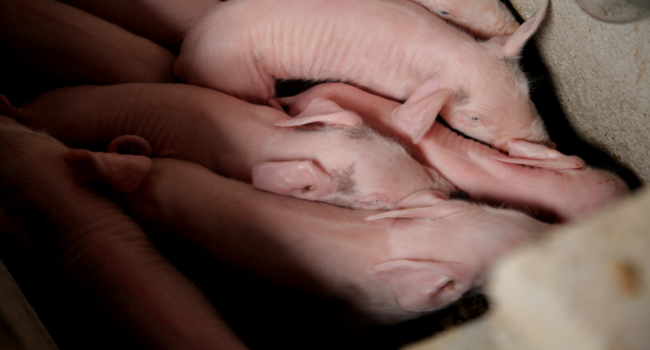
(130, 144)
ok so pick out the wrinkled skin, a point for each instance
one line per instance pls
(78, 47)
(559, 187)
(483, 18)
(390, 269)
(394, 48)
(91, 243)
(321, 155)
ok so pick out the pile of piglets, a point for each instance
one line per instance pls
(366, 138)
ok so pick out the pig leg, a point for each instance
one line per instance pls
(164, 22)
(106, 258)
(78, 47)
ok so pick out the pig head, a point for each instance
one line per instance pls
(483, 18)
(396, 49)
(444, 248)
(326, 154)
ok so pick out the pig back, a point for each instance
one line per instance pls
(242, 46)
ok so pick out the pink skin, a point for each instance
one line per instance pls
(483, 18)
(162, 21)
(78, 47)
(392, 266)
(324, 154)
(396, 49)
(93, 244)
(560, 187)
(389, 269)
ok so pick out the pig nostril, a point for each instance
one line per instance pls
(308, 188)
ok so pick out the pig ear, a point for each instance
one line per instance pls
(302, 179)
(424, 204)
(321, 110)
(5, 106)
(130, 144)
(417, 285)
(421, 109)
(123, 172)
(512, 44)
(540, 156)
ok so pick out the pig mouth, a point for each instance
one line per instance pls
(459, 133)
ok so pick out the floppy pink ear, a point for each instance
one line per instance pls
(421, 109)
(418, 285)
(130, 144)
(428, 204)
(123, 172)
(302, 179)
(515, 42)
(541, 156)
(321, 110)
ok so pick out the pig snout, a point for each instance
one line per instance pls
(593, 190)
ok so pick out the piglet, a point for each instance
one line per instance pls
(113, 270)
(324, 154)
(393, 48)
(551, 184)
(400, 264)
(483, 18)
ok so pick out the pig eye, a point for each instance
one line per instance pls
(443, 13)
(472, 119)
